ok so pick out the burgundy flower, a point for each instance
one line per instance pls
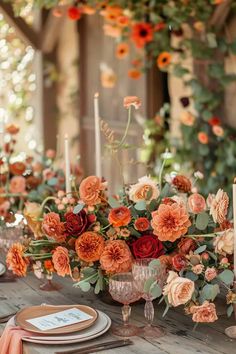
(76, 224)
(179, 262)
(147, 246)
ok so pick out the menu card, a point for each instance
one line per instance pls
(59, 319)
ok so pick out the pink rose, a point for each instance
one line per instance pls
(210, 273)
(198, 268)
(178, 290)
(17, 184)
(196, 203)
(204, 313)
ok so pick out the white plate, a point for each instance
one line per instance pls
(100, 327)
(2, 269)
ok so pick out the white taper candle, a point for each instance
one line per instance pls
(67, 167)
(98, 160)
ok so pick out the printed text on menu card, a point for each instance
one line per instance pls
(59, 319)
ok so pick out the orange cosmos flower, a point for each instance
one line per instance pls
(61, 261)
(170, 222)
(89, 246)
(16, 261)
(203, 138)
(134, 74)
(120, 216)
(116, 257)
(142, 33)
(122, 50)
(122, 21)
(163, 60)
(90, 190)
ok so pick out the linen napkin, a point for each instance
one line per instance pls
(11, 339)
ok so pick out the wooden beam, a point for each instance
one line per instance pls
(51, 31)
(220, 15)
(23, 30)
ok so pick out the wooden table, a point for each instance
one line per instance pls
(180, 337)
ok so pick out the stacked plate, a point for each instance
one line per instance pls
(98, 324)
(2, 269)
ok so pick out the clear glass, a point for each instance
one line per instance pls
(141, 273)
(122, 289)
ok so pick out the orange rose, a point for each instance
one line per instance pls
(89, 246)
(116, 257)
(178, 290)
(90, 190)
(142, 224)
(61, 261)
(120, 216)
(53, 227)
(16, 261)
(204, 313)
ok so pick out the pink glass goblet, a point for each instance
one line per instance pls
(142, 271)
(121, 288)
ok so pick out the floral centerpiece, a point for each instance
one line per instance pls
(92, 236)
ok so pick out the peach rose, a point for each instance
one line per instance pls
(17, 184)
(218, 130)
(90, 190)
(116, 257)
(61, 261)
(219, 206)
(178, 290)
(32, 212)
(204, 313)
(132, 101)
(224, 243)
(170, 222)
(53, 227)
(210, 273)
(16, 261)
(120, 216)
(196, 203)
(145, 189)
(187, 118)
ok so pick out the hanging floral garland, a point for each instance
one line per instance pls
(167, 33)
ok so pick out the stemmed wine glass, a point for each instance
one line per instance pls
(122, 289)
(142, 271)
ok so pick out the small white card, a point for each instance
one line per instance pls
(59, 319)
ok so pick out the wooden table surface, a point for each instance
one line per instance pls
(180, 337)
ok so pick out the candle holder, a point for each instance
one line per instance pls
(231, 331)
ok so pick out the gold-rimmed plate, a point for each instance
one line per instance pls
(31, 312)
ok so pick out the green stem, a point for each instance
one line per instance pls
(45, 202)
(204, 235)
(160, 173)
(126, 129)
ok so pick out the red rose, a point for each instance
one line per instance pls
(214, 121)
(147, 246)
(178, 262)
(76, 223)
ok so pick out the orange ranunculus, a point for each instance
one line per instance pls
(89, 246)
(120, 216)
(164, 60)
(142, 33)
(17, 168)
(134, 74)
(61, 261)
(17, 184)
(170, 222)
(49, 265)
(12, 129)
(116, 257)
(122, 50)
(142, 224)
(203, 138)
(90, 190)
(16, 261)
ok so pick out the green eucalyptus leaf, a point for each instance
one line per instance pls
(192, 276)
(155, 263)
(202, 221)
(141, 205)
(200, 249)
(78, 208)
(155, 290)
(230, 310)
(148, 283)
(227, 277)
(113, 202)
(84, 286)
